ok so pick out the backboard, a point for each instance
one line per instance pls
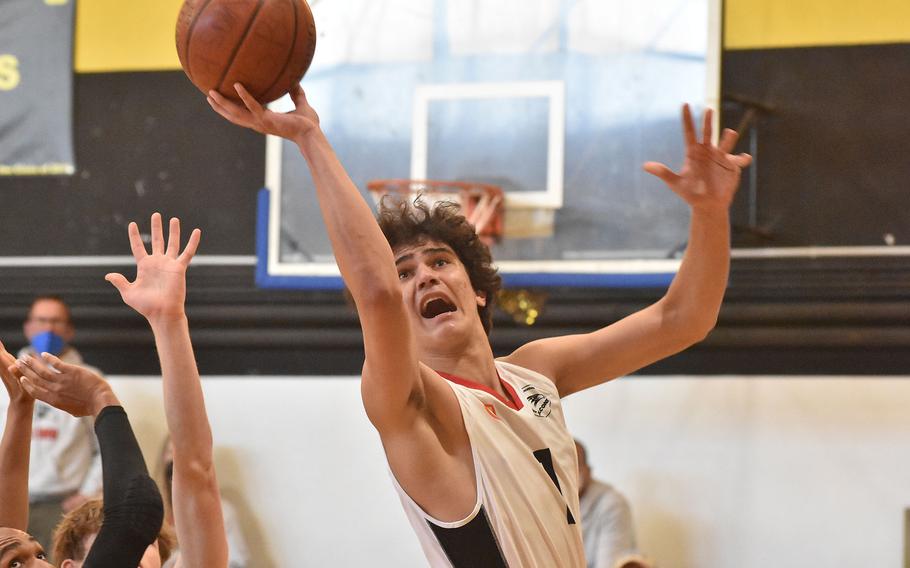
(558, 102)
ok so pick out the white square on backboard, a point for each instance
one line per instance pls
(548, 197)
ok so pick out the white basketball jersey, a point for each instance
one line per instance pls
(527, 512)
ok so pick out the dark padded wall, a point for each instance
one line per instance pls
(144, 142)
(831, 156)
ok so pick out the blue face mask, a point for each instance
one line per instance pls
(49, 342)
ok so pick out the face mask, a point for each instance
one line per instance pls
(49, 342)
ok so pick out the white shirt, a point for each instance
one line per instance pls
(607, 524)
(526, 513)
(64, 452)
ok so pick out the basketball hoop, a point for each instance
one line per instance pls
(482, 204)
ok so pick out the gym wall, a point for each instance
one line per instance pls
(720, 472)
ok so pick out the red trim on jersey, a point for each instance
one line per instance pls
(513, 402)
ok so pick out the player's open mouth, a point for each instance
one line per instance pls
(436, 306)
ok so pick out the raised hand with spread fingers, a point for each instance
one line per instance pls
(159, 290)
(710, 174)
(159, 293)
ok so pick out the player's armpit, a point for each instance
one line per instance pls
(430, 403)
(432, 459)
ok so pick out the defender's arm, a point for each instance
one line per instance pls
(15, 447)
(158, 294)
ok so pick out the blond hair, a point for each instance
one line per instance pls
(85, 520)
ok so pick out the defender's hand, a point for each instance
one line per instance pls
(710, 174)
(70, 388)
(9, 372)
(159, 290)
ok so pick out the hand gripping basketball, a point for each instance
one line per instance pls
(293, 125)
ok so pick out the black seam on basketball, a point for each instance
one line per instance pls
(189, 36)
(246, 32)
(288, 58)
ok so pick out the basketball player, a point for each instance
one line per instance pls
(478, 447)
(132, 505)
(158, 294)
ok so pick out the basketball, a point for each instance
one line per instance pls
(266, 45)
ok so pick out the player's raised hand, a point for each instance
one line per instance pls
(710, 174)
(292, 125)
(9, 373)
(71, 388)
(159, 291)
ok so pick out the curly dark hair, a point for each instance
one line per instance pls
(405, 223)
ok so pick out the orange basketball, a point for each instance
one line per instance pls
(267, 45)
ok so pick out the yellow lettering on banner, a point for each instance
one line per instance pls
(9, 72)
(56, 2)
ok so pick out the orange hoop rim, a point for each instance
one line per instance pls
(402, 185)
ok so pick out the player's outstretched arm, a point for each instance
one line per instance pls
(688, 311)
(15, 447)
(158, 294)
(391, 373)
(133, 511)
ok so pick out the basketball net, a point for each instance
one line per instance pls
(482, 204)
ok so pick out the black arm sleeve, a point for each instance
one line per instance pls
(133, 511)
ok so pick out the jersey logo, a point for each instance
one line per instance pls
(540, 404)
(491, 410)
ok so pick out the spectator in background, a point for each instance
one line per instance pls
(606, 520)
(66, 466)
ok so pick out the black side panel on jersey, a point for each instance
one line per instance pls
(545, 457)
(473, 545)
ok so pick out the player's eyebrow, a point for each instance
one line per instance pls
(12, 546)
(404, 258)
(432, 250)
(435, 250)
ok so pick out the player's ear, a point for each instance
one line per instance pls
(481, 298)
